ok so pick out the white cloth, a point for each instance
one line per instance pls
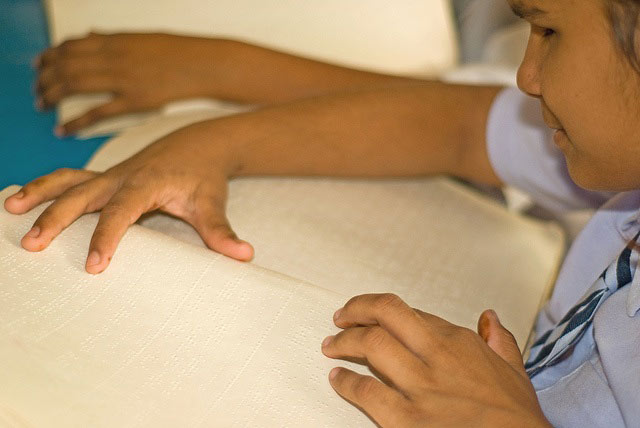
(604, 390)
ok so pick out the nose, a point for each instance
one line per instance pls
(529, 71)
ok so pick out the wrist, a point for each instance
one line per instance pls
(219, 143)
(218, 81)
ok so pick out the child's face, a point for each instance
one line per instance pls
(586, 88)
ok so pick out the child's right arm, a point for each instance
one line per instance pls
(415, 129)
(145, 71)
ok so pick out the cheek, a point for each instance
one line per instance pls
(586, 102)
(603, 160)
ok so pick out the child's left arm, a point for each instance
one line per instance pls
(435, 373)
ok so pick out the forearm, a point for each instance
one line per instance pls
(402, 130)
(253, 74)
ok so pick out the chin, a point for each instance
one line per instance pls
(600, 179)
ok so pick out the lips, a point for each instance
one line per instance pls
(549, 118)
(553, 125)
(560, 138)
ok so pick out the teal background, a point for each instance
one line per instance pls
(28, 147)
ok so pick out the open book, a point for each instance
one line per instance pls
(173, 334)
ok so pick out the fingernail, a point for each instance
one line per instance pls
(34, 232)
(39, 104)
(58, 131)
(337, 314)
(333, 373)
(493, 315)
(327, 340)
(93, 259)
(18, 195)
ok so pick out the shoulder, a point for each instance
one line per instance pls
(617, 336)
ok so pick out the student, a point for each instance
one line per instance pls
(582, 67)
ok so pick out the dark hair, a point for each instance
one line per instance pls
(624, 15)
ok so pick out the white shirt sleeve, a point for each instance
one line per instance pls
(523, 154)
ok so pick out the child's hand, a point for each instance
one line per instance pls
(435, 373)
(143, 71)
(179, 174)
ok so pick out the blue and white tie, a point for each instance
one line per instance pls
(553, 346)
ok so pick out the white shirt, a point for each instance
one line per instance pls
(600, 384)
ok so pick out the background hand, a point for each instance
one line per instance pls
(143, 71)
(435, 373)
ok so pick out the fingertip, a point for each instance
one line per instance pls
(327, 340)
(95, 263)
(484, 323)
(237, 249)
(32, 241)
(59, 131)
(333, 373)
(36, 61)
(13, 202)
(94, 270)
(491, 314)
(245, 251)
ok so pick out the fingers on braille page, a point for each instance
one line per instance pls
(214, 229)
(81, 199)
(46, 188)
(413, 329)
(387, 310)
(382, 403)
(124, 209)
(383, 352)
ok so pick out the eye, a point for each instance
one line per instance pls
(547, 32)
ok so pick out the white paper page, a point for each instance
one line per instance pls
(170, 335)
(446, 249)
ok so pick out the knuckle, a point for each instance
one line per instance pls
(461, 334)
(416, 414)
(44, 76)
(375, 338)
(33, 186)
(388, 301)
(51, 218)
(64, 173)
(38, 183)
(122, 211)
(364, 387)
(47, 54)
(52, 93)
(74, 192)
(100, 180)
(65, 85)
(507, 335)
(114, 209)
(222, 229)
(64, 68)
(140, 180)
(64, 46)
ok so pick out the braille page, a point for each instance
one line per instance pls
(445, 248)
(171, 335)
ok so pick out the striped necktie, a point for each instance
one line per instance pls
(553, 346)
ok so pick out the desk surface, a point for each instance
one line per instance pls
(28, 147)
